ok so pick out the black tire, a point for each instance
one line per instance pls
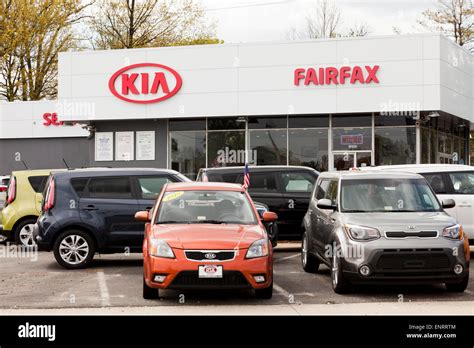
(150, 293)
(309, 262)
(265, 293)
(274, 237)
(20, 229)
(81, 258)
(458, 287)
(340, 284)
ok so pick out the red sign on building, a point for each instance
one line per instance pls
(145, 83)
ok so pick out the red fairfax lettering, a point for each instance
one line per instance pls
(335, 76)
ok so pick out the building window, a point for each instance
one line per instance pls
(268, 122)
(226, 148)
(396, 145)
(352, 121)
(308, 147)
(269, 146)
(188, 152)
(352, 139)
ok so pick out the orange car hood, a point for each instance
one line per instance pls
(208, 236)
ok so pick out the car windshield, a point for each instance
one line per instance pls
(387, 195)
(216, 207)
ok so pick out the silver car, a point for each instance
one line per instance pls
(372, 227)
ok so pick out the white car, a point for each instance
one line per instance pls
(448, 181)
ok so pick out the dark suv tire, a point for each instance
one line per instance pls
(309, 262)
(74, 249)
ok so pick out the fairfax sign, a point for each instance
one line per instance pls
(336, 76)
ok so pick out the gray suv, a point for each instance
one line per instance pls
(383, 228)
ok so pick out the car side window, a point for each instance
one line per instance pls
(297, 182)
(150, 187)
(436, 182)
(260, 182)
(79, 185)
(113, 188)
(322, 189)
(38, 182)
(331, 192)
(463, 182)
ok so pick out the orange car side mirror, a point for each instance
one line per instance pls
(142, 216)
(269, 216)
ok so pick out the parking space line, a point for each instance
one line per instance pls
(104, 291)
(288, 257)
(279, 289)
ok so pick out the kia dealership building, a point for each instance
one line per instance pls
(328, 104)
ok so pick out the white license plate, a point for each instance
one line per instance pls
(210, 271)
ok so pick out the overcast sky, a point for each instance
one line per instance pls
(272, 20)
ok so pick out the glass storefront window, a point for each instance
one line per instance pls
(308, 121)
(225, 123)
(388, 121)
(267, 122)
(188, 152)
(269, 146)
(309, 147)
(187, 124)
(352, 121)
(395, 146)
(226, 149)
(354, 139)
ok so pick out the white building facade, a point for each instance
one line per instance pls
(329, 104)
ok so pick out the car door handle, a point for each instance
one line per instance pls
(148, 208)
(90, 207)
(333, 220)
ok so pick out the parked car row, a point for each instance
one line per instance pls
(368, 226)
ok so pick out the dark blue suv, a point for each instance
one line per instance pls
(92, 210)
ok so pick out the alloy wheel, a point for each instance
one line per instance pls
(74, 249)
(26, 236)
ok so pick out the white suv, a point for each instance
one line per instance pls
(448, 181)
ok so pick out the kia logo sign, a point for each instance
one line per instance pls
(145, 83)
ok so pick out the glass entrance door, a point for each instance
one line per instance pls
(351, 159)
(344, 160)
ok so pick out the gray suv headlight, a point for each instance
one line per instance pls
(361, 233)
(453, 232)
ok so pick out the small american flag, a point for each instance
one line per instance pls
(246, 177)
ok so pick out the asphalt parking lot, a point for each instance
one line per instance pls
(116, 281)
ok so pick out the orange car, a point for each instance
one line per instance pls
(206, 236)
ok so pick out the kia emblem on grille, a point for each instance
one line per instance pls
(210, 256)
(411, 227)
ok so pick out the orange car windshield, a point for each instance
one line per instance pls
(216, 207)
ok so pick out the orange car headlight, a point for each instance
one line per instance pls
(159, 248)
(258, 249)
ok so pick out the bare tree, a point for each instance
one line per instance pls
(454, 18)
(324, 20)
(358, 30)
(149, 23)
